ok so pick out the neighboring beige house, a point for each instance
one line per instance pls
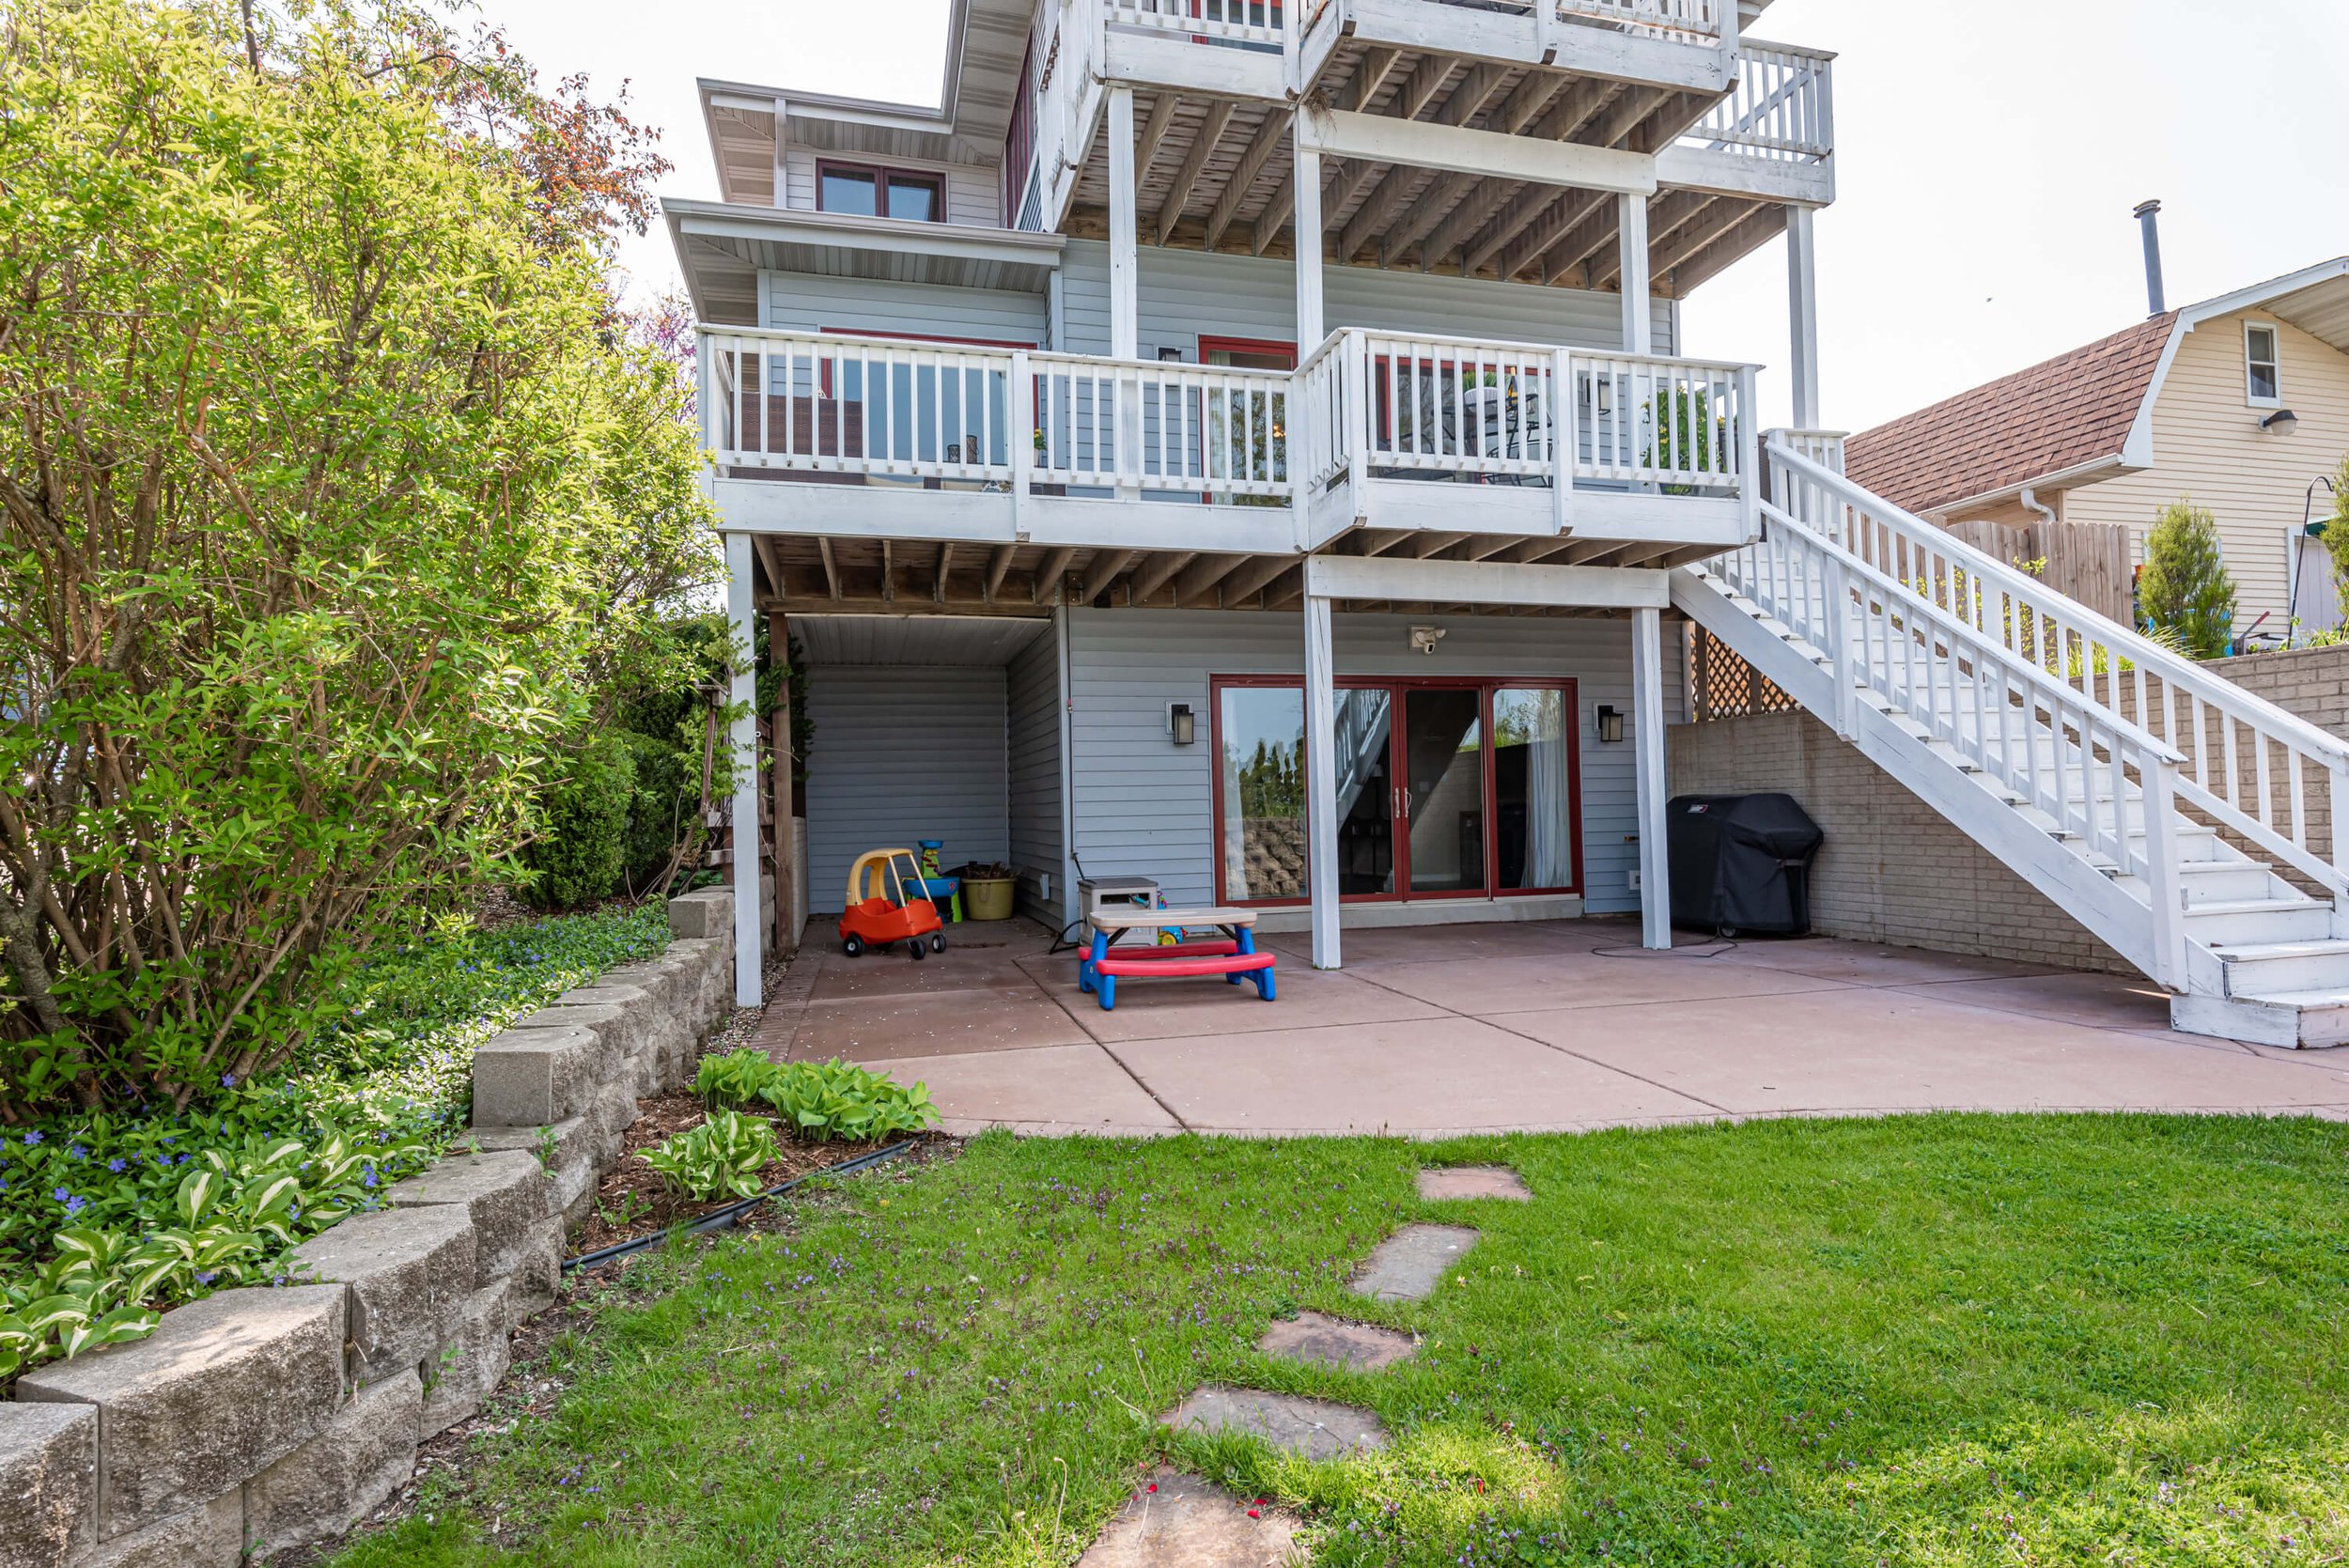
(2241, 402)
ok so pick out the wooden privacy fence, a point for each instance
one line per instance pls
(2087, 562)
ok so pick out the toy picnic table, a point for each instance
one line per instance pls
(1232, 954)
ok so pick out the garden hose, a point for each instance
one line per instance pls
(719, 1219)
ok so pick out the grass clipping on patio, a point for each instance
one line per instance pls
(1940, 1340)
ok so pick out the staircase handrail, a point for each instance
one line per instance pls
(2140, 650)
(1956, 628)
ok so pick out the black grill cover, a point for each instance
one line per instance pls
(1741, 862)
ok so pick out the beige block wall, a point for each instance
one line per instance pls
(2207, 444)
(1892, 869)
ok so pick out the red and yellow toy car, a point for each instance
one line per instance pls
(875, 919)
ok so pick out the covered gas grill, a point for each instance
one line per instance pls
(1741, 863)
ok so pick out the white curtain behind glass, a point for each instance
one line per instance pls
(1548, 858)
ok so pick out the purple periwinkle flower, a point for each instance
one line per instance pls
(117, 1163)
(79, 1151)
(31, 1139)
(205, 1276)
(368, 1179)
(227, 1081)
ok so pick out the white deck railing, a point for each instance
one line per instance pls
(1697, 19)
(1368, 404)
(1477, 411)
(1258, 21)
(1782, 105)
(2249, 765)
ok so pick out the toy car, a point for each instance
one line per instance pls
(875, 919)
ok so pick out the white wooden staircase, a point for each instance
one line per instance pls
(2120, 779)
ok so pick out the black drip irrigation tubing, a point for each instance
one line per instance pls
(721, 1218)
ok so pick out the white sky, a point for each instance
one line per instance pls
(1989, 153)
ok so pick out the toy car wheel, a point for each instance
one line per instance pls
(914, 947)
(937, 943)
(852, 946)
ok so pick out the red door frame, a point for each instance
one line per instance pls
(1397, 771)
(1210, 344)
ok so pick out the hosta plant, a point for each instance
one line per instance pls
(723, 1157)
(817, 1101)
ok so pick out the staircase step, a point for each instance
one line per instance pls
(2258, 922)
(2295, 1020)
(2276, 968)
(2227, 882)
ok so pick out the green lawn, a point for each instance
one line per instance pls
(1948, 1339)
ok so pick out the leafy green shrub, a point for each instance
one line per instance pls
(338, 509)
(819, 1101)
(2185, 586)
(724, 1155)
(580, 850)
(93, 1232)
(661, 809)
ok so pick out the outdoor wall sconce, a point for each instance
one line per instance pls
(1180, 723)
(2281, 423)
(1425, 637)
(1609, 723)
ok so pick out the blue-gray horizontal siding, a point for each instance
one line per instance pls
(903, 752)
(805, 302)
(1183, 294)
(1144, 806)
(1033, 700)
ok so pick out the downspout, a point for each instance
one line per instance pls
(2033, 503)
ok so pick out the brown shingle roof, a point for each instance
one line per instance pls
(2057, 415)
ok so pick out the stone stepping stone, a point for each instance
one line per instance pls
(1332, 1342)
(1449, 1182)
(1178, 1521)
(1411, 1263)
(1315, 1428)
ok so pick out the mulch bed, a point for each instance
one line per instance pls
(634, 1200)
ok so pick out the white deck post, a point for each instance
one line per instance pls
(1125, 256)
(1638, 319)
(749, 929)
(1647, 718)
(1802, 290)
(1310, 330)
(1321, 778)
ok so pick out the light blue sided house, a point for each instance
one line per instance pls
(1252, 445)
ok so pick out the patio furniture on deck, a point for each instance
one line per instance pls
(1232, 955)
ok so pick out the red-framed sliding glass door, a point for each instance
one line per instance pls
(1446, 788)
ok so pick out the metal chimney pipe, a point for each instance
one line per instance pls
(2149, 216)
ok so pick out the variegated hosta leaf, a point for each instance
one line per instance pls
(198, 1192)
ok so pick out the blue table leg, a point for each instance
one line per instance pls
(1247, 940)
(1085, 965)
(1264, 983)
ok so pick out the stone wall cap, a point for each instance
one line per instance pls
(356, 1245)
(593, 1015)
(188, 1335)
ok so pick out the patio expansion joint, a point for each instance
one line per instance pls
(1562, 1050)
(1103, 1047)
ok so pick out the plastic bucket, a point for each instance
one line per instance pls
(986, 897)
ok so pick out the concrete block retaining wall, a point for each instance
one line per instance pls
(259, 1421)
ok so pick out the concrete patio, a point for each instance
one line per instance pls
(1557, 1026)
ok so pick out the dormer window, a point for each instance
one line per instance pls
(864, 190)
(2263, 366)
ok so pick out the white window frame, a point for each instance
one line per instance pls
(2276, 363)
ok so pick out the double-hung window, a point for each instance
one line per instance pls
(2263, 365)
(862, 189)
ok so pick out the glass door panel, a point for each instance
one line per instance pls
(1444, 745)
(1365, 737)
(1262, 733)
(1533, 799)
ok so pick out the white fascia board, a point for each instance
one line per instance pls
(1173, 61)
(1086, 523)
(1382, 577)
(1379, 139)
(862, 511)
(785, 226)
(2094, 471)
(1683, 167)
(867, 111)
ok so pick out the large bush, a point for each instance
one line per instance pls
(577, 857)
(332, 494)
(2184, 589)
